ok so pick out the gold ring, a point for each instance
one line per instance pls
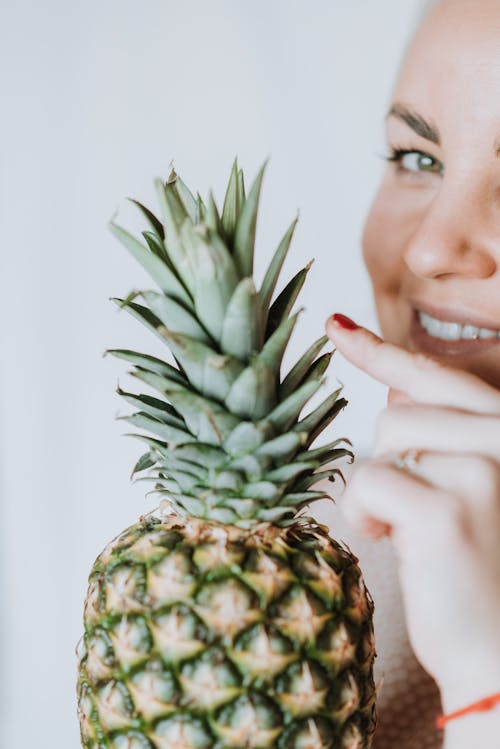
(408, 460)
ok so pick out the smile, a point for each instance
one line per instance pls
(453, 331)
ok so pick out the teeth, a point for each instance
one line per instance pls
(485, 333)
(452, 331)
(469, 331)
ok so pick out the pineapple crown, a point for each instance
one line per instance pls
(229, 441)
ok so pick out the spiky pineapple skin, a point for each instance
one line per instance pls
(200, 634)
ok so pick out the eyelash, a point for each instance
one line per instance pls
(397, 154)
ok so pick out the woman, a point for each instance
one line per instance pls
(432, 248)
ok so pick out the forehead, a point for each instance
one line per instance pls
(452, 66)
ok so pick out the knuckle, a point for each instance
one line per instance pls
(449, 515)
(486, 476)
(425, 362)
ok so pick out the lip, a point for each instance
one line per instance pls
(426, 343)
(455, 314)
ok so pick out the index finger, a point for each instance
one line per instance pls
(422, 378)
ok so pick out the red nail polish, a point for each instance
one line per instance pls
(344, 322)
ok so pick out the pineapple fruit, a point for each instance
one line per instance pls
(225, 618)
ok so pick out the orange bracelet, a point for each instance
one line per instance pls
(485, 704)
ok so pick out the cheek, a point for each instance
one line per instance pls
(388, 230)
(384, 243)
(395, 216)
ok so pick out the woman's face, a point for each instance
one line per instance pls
(432, 239)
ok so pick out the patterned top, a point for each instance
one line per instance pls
(408, 698)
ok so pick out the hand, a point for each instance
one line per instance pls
(444, 521)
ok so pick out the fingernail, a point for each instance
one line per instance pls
(344, 322)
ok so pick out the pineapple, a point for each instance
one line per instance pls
(225, 617)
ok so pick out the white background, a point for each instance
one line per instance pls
(98, 97)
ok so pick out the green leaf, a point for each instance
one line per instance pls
(154, 444)
(154, 222)
(303, 498)
(244, 508)
(251, 466)
(319, 367)
(185, 481)
(154, 407)
(241, 187)
(312, 420)
(314, 478)
(230, 480)
(253, 393)
(275, 266)
(178, 211)
(169, 434)
(216, 277)
(206, 419)
(287, 412)
(124, 302)
(290, 471)
(143, 314)
(155, 372)
(327, 452)
(149, 363)
(283, 447)
(202, 209)
(205, 455)
(223, 515)
(246, 437)
(244, 238)
(171, 486)
(144, 479)
(171, 461)
(327, 419)
(231, 207)
(341, 452)
(242, 326)
(211, 373)
(298, 373)
(281, 307)
(157, 269)
(213, 220)
(275, 346)
(265, 491)
(145, 461)
(175, 316)
(186, 197)
(161, 383)
(191, 505)
(174, 216)
(156, 246)
(275, 514)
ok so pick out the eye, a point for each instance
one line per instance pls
(415, 161)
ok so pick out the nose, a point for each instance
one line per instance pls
(456, 235)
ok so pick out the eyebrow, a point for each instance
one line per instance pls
(416, 122)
